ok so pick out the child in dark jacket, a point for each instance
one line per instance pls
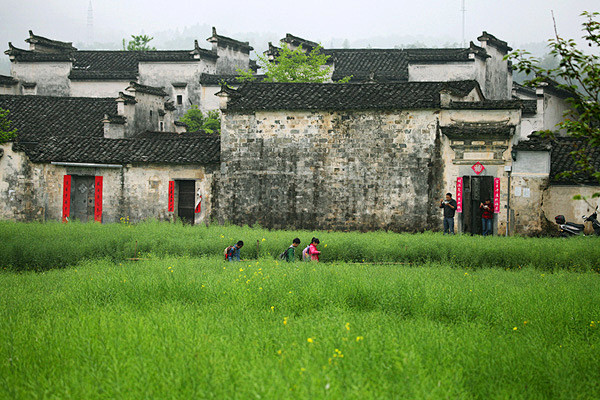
(290, 253)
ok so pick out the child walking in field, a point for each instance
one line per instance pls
(290, 254)
(311, 250)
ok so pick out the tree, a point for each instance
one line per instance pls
(139, 43)
(293, 66)
(578, 73)
(197, 121)
(6, 134)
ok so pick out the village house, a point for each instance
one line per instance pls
(104, 159)
(376, 153)
(54, 68)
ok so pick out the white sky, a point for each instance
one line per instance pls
(517, 22)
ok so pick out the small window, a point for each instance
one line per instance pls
(179, 99)
(161, 126)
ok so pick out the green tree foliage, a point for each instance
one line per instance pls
(138, 43)
(293, 66)
(197, 121)
(578, 73)
(6, 134)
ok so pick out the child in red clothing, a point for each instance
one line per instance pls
(312, 250)
(487, 216)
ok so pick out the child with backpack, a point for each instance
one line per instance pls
(311, 253)
(290, 254)
(232, 253)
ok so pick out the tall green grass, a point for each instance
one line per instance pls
(183, 327)
(38, 246)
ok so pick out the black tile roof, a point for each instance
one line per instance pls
(93, 64)
(385, 64)
(39, 117)
(156, 91)
(70, 129)
(298, 41)
(225, 41)
(230, 79)
(494, 41)
(561, 160)
(488, 130)
(7, 80)
(54, 44)
(151, 147)
(350, 96)
(36, 56)
(486, 105)
(534, 142)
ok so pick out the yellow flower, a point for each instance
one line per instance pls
(241, 269)
(272, 308)
(285, 319)
(222, 236)
(359, 338)
(325, 245)
(515, 328)
(525, 322)
(309, 340)
(279, 352)
(263, 239)
(347, 326)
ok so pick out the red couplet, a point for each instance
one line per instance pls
(98, 199)
(198, 206)
(496, 195)
(171, 196)
(459, 194)
(66, 209)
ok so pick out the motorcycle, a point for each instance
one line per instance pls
(568, 229)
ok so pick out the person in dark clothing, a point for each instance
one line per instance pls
(487, 216)
(290, 254)
(449, 206)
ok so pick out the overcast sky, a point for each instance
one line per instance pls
(517, 22)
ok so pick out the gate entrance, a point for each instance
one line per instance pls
(476, 189)
(186, 199)
(82, 198)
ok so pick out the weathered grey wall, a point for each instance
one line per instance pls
(30, 192)
(52, 78)
(166, 73)
(330, 170)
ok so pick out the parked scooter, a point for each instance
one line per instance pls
(572, 229)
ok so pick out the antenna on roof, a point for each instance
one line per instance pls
(464, 14)
(90, 23)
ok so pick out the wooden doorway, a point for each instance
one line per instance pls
(82, 198)
(476, 189)
(186, 196)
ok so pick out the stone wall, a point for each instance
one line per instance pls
(30, 192)
(330, 170)
(558, 200)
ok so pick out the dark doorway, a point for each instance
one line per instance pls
(186, 198)
(82, 198)
(476, 189)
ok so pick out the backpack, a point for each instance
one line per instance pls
(283, 256)
(305, 255)
(226, 251)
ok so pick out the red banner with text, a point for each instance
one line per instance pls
(198, 209)
(496, 195)
(171, 196)
(459, 194)
(66, 209)
(98, 199)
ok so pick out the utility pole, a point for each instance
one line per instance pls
(464, 14)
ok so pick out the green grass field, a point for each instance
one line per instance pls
(193, 326)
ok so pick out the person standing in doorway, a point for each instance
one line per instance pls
(449, 206)
(487, 216)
